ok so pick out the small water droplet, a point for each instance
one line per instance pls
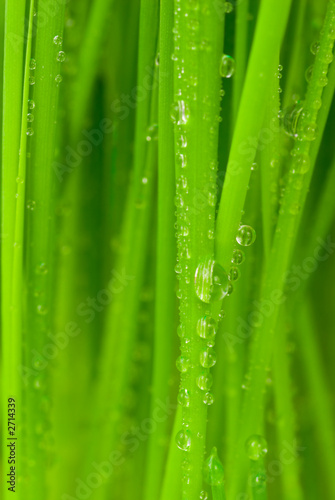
(58, 79)
(42, 310)
(228, 7)
(291, 118)
(31, 104)
(256, 447)
(309, 73)
(203, 495)
(61, 56)
(180, 112)
(183, 440)
(32, 64)
(302, 163)
(183, 398)
(41, 269)
(206, 328)
(31, 205)
(227, 66)
(30, 132)
(30, 117)
(31, 80)
(152, 133)
(213, 469)
(238, 257)
(315, 47)
(183, 363)
(207, 357)
(234, 274)
(58, 40)
(208, 399)
(205, 380)
(211, 281)
(246, 236)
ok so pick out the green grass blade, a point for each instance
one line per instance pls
(165, 279)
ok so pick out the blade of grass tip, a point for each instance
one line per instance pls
(214, 476)
(88, 62)
(240, 52)
(11, 130)
(285, 411)
(267, 41)
(195, 112)
(40, 239)
(165, 277)
(319, 393)
(172, 475)
(274, 277)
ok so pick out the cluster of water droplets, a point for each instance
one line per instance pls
(256, 449)
(60, 56)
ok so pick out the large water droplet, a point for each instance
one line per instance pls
(256, 447)
(213, 469)
(183, 440)
(58, 40)
(211, 281)
(246, 236)
(227, 66)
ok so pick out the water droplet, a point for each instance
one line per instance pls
(205, 380)
(42, 310)
(183, 440)
(31, 205)
(208, 399)
(291, 117)
(227, 66)
(315, 47)
(183, 398)
(58, 79)
(19, 180)
(302, 163)
(30, 131)
(32, 64)
(206, 328)
(157, 60)
(246, 236)
(213, 469)
(178, 269)
(180, 112)
(207, 357)
(210, 234)
(31, 80)
(309, 73)
(228, 7)
(234, 274)
(31, 104)
(30, 117)
(203, 495)
(238, 257)
(58, 40)
(152, 133)
(61, 56)
(41, 269)
(256, 447)
(183, 363)
(181, 330)
(211, 281)
(182, 141)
